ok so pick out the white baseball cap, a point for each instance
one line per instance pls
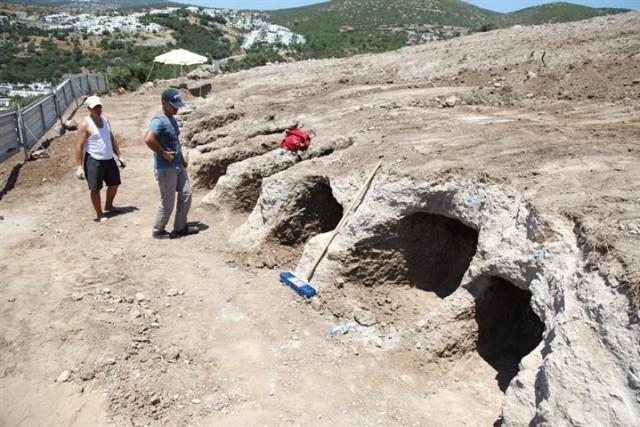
(93, 101)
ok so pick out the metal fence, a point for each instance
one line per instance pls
(23, 127)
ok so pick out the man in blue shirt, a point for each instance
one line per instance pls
(163, 138)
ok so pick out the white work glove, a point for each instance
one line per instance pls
(79, 172)
(121, 162)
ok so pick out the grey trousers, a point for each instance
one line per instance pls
(170, 182)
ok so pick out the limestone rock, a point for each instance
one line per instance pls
(365, 318)
(64, 376)
(451, 101)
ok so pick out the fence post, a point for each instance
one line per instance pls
(73, 92)
(88, 84)
(44, 121)
(63, 91)
(21, 137)
(57, 107)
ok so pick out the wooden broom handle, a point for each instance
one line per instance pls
(309, 273)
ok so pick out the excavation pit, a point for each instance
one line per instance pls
(423, 250)
(314, 210)
(247, 195)
(508, 329)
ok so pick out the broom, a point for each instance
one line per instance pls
(301, 284)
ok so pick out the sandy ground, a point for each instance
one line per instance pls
(234, 347)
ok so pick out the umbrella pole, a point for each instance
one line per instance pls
(150, 71)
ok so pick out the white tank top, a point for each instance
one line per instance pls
(98, 143)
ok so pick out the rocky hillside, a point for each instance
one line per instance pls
(506, 197)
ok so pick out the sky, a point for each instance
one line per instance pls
(496, 5)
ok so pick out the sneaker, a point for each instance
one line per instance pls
(189, 229)
(161, 234)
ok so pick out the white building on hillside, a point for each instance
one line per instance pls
(272, 34)
(260, 30)
(99, 24)
(26, 90)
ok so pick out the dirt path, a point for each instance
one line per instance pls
(232, 348)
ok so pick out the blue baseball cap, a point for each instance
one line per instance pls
(172, 96)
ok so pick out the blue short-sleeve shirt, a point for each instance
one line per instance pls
(168, 135)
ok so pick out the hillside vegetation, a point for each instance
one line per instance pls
(31, 54)
(345, 27)
(367, 14)
(553, 12)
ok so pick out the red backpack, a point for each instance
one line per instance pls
(296, 140)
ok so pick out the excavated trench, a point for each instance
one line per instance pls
(427, 251)
(239, 188)
(314, 210)
(247, 192)
(432, 253)
(402, 276)
(212, 165)
(508, 329)
(465, 254)
(246, 196)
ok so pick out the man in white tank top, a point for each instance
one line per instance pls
(95, 149)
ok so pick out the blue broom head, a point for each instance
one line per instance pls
(301, 286)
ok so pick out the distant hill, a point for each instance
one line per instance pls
(368, 14)
(343, 27)
(554, 12)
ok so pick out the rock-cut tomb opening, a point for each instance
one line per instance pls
(427, 251)
(508, 328)
(313, 210)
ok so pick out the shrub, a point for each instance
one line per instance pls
(486, 27)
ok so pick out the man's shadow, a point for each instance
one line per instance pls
(11, 180)
(200, 225)
(120, 210)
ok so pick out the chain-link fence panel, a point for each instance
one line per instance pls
(37, 119)
(24, 127)
(9, 139)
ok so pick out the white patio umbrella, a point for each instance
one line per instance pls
(179, 57)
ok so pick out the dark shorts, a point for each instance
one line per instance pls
(99, 171)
